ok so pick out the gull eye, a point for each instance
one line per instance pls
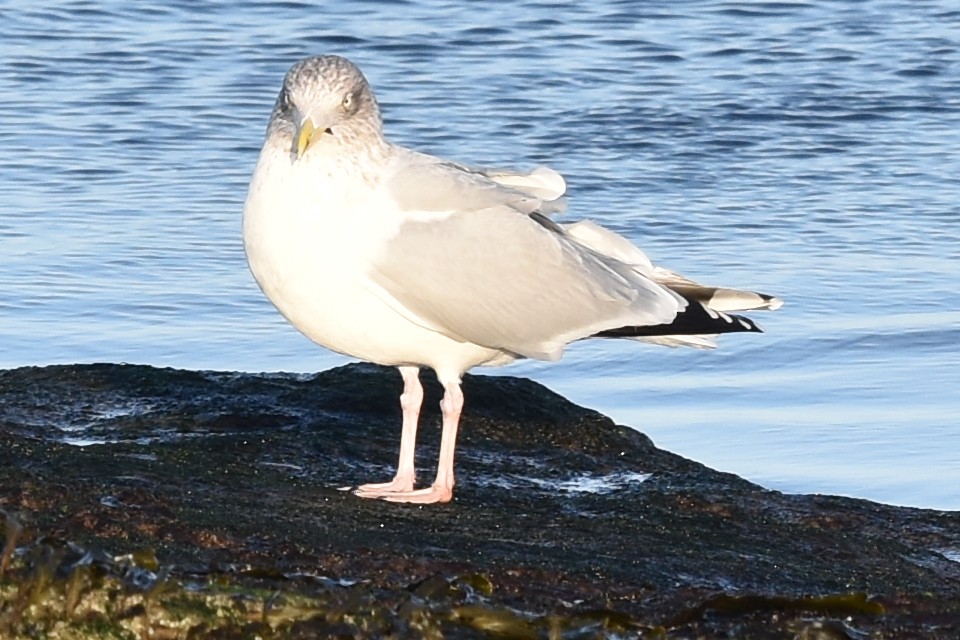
(284, 100)
(348, 101)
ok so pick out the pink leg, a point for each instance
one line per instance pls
(442, 488)
(410, 401)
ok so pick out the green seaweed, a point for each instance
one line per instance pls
(502, 623)
(58, 590)
(61, 591)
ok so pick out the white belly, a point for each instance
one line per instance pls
(313, 266)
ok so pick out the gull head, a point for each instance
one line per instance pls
(325, 101)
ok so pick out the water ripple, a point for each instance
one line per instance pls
(808, 148)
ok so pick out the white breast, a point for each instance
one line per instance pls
(312, 262)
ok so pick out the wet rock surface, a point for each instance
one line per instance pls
(563, 523)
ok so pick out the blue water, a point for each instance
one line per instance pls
(807, 149)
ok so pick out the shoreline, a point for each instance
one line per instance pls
(559, 513)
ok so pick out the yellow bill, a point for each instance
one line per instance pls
(309, 134)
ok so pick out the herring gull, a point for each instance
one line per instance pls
(400, 258)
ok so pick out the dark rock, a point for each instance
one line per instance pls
(556, 507)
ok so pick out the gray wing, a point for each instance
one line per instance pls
(424, 183)
(480, 270)
(717, 298)
(542, 182)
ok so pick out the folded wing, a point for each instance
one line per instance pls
(474, 260)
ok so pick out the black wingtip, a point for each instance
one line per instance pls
(694, 320)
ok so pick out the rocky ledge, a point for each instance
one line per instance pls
(214, 505)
